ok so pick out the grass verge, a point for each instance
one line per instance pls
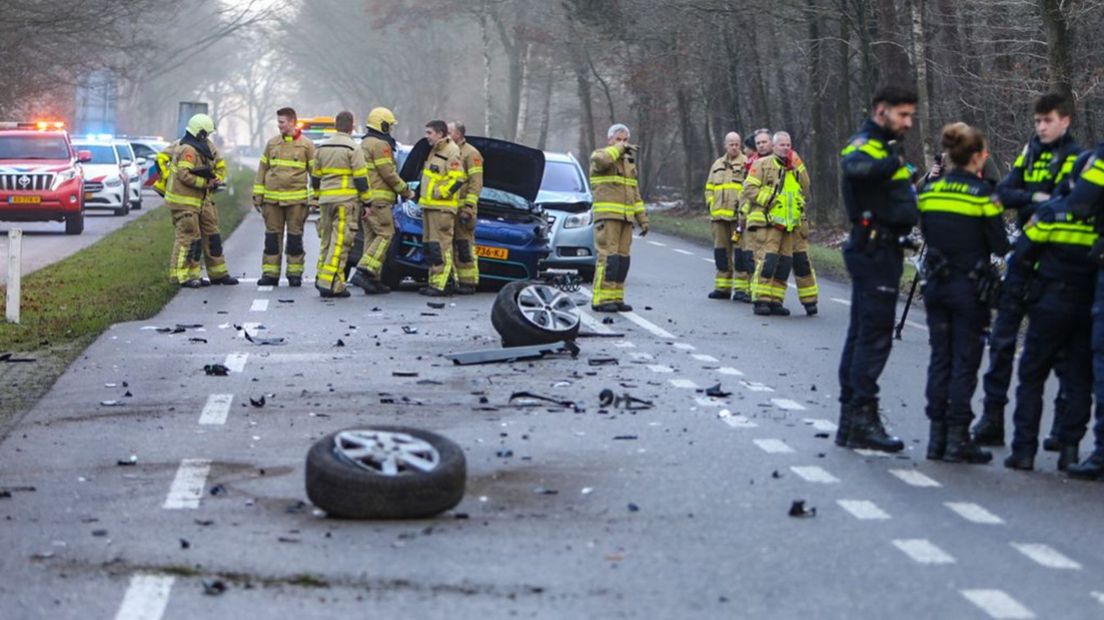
(66, 305)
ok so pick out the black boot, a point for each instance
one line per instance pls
(844, 428)
(294, 281)
(364, 280)
(1022, 461)
(989, 431)
(1091, 468)
(194, 283)
(1052, 444)
(810, 309)
(868, 432)
(960, 449)
(777, 309)
(1067, 456)
(762, 308)
(937, 440)
(742, 297)
(429, 291)
(269, 281)
(609, 306)
(225, 280)
(720, 295)
(465, 289)
(624, 307)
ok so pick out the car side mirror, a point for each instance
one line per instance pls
(84, 156)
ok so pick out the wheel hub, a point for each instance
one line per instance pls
(386, 453)
(548, 308)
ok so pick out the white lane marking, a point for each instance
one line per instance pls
(236, 361)
(216, 409)
(1045, 555)
(702, 357)
(709, 401)
(708, 260)
(641, 356)
(146, 597)
(683, 252)
(923, 551)
(756, 387)
(187, 486)
(248, 280)
(586, 293)
(593, 323)
(1099, 596)
(998, 604)
(863, 509)
(651, 327)
(658, 244)
(660, 368)
(728, 370)
(248, 327)
(914, 478)
(840, 301)
(871, 454)
(625, 344)
(773, 446)
(685, 384)
(259, 305)
(685, 346)
(974, 513)
(814, 473)
(735, 421)
(920, 326)
(787, 404)
(264, 289)
(821, 425)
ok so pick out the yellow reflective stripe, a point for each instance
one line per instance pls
(289, 163)
(338, 191)
(808, 291)
(735, 186)
(722, 212)
(383, 161)
(612, 207)
(1056, 232)
(613, 180)
(475, 170)
(944, 202)
(1095, 174)
(264, 159)
(613, 152)
(471, 200)
(183, 200)
(185, 164)
(377, 194)
(755, 181)
(756, 217)
(258, 190)
(902, 174)
(293, 194)
(341, 171)
(360, 172)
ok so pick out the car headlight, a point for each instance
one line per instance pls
(578, 220)
(412, 210)
(115, 182)
(63, 177)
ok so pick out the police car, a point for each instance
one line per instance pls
(41, 175)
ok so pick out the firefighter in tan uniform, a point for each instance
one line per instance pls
(438, 196)
(280, 193)
(193, 169)
(384, 185)
(723, 194)
(339, 177)
(466, 262)
(617, 204)
(775, 191)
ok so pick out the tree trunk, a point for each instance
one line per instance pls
(919, 60)
(485, 34)
(1059, 64)
(523, 94)
(582, 85)
(546, 115)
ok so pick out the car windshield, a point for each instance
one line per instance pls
(101, 153)
(33, 147)
(562, 176)
(505, 199)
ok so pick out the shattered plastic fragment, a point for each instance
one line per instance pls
(403, 373)
(715, 391)
(216, 370)
(797, 509)
(531, 396)
(409, 330)
(128, 462)
(339, 343)
(110, 403)
(633, 507)
(257, 402)
(606, 397)
(213, 587)
(436, 305)
(218, 489)
(264, 341)
(603, 361)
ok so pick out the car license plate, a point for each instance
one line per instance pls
(483, 251)
(89, 195)
(25, 200)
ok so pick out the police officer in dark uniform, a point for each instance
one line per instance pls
(962, 225)
(1087, 201)
(1038, 173)
(881, 205)
(1059, 299)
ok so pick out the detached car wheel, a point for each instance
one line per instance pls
(528, 313)
(385, 472)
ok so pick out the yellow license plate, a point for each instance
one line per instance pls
(483, 251)
(26, 200)
(89, 195)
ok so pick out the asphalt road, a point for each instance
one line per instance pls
(45, 243)
(675, 512)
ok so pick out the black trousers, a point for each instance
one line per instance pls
(956, 331)
(875, 278)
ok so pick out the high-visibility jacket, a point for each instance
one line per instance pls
(384, 183)
(473, 172)
(184, 188)
(442, 177)
(283, 174)
(725, 186)
(775, 192)
(339, 172)
(613, 180)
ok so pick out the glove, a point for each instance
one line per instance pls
(407, 194)
(644, 229)
(257, 202)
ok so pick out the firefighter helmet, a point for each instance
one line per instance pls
(382, 119)
(200, 122)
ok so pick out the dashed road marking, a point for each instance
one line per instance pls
(259, 305)
(216, 409)
(651, 327)
(264, 289)
(625, 344)
(773, 446)
(974, 513)
(998, 604)
(923, 551)
(641, 356)
(756, 387)
(728, 370)
(236, 361)
(871, 454)
(683, 252)
(840, 301)
(709, 401)
(821, 425)
(914, 478)
(814, 473)
(1099, 596)
(146, 597)
(702, 357)
(187, 486)
(658, 244)
(660, 368)
(919, 326)
(593, 323)
(862, 509)
(1045, 555)
(787, 404)
(708, 260)
(685, 346)
(685, 384)
(735, 421)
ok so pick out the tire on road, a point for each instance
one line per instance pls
(528, 313)
(74, 224)
(358, 486)
(123, 210)
(136, 205)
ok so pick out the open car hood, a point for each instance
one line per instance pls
(507, 166)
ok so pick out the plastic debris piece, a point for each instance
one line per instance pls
(184, 544)
(715, 391)
(797, 509)
(548, 399)
(633, 507)
(11, 359)
(504, 454)
(217, 490)
(407, 329)
(264, 341)
(607, 320)
(606, 397)
(603, 361)
(110, 403)
(403, 373)
(128, 462)
(204, 522)
(625, 438)
(257, 402)
(339, 343)
(436, 305)
(286, 301)
(214, 587)
(544, 491)
(216, 370)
